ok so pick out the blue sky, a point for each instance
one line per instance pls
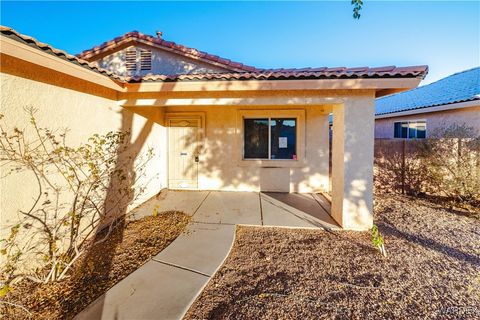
(445, 35)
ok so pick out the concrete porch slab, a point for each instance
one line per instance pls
(165, 287)
(230, 208)
(294, 210)
(154, 291)
(202, 248)
(168, 200)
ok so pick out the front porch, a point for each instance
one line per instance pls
(178, 274)
(249, 208)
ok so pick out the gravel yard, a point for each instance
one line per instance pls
(125, 250)
(432, 269)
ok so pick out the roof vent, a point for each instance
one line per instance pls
(159, 34)
(131, 60)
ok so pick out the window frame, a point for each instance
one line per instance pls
(408, 122)
(297, 114)
(269, 121)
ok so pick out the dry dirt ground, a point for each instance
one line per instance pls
(126, 249)
(432, 270)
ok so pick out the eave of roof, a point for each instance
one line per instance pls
(34, 43)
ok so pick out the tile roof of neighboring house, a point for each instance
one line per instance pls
(255, 74)
(459, 87)
(135, 36)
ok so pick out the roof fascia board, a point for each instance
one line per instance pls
(24, 52)
(273, 85)
(445, 107)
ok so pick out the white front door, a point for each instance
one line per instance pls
(183, 138)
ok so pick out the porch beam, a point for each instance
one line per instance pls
(352, 163)
(400, 84)
(257, 101)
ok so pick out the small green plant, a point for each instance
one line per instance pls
(377, 241)
(155, 210)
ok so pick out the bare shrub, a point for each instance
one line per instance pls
(79, 190)
(398, 167)
(451, 156)
(447, 163)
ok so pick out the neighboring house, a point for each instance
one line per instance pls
(421, 111)
(213, 124)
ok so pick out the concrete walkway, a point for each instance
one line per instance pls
(166, 286)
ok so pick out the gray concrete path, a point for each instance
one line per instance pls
(166, 286)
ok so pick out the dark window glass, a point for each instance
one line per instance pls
(283, 138)
(412, 130)
(404, 129)
(397, 130)
(256, 138)
(421, 129)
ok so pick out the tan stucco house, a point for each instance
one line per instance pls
(417, 113)
(213, 124)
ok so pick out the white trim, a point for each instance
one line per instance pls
(445, 107)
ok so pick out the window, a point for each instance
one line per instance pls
(410, 129)
(270, 138)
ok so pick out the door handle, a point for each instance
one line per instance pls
(197, 159)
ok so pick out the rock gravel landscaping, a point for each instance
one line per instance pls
(432, 270)
(128, 247)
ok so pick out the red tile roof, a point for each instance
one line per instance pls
(289, 74)
(249, 73)
(135, 36)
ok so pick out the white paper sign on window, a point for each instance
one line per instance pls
(282, 142)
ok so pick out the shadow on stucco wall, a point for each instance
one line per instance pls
(97, 265)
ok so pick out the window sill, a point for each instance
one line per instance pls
(271, 163)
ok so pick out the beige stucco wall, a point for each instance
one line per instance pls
(221, 166)
(469, 116)
(83, 114)
(163, 62)
(352, 162)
